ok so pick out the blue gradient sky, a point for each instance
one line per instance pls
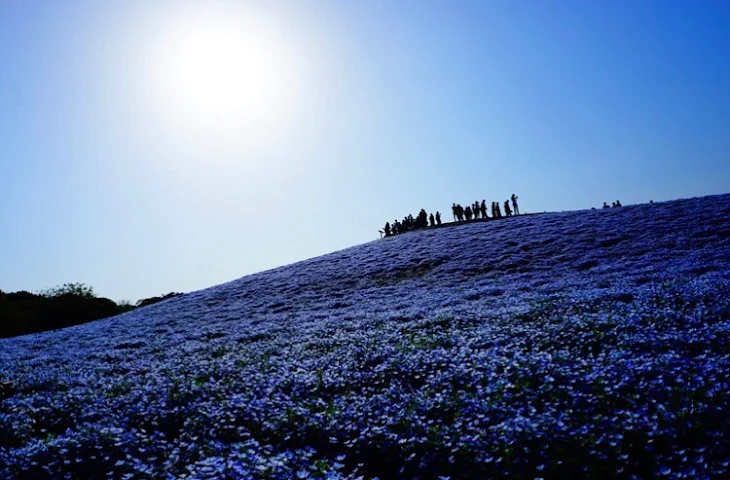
(399, 106)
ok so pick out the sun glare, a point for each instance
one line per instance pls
(219, 70)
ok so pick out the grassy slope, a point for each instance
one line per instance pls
(574, 343)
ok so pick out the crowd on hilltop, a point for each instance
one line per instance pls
(409, 223)
(475, 211)
(478, 210)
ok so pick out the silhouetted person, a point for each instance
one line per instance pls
(605, 205)
(507, 210)
(514, 204)
(422, 219)
(438, 218)
(431, 220)
(497, 210)
(475, 209)
(483, 209)
(467, 212)
(455, 210)
(618, 204)
(387, 229)
(460, 212)
(408, 222)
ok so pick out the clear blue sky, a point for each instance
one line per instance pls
(132, 161)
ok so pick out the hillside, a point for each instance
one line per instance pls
(576, 344)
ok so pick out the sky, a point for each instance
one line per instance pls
(149, 147)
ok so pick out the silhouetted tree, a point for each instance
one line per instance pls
(73, 289)
(153, 300)
(125, 306)
(70, 304)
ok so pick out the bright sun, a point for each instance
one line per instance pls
(218, 70)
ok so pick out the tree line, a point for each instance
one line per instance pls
(70, 304)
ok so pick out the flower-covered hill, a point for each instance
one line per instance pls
(578, 344)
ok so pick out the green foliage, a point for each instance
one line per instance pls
(125, 306)
(63, 306)
(70, 289)
(70, 304)
(152, 300)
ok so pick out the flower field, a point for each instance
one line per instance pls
(587, 344)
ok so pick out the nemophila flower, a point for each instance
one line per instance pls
(550, 346)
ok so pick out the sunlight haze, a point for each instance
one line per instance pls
(216, 71)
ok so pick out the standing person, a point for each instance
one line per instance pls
(507, 210)
(475, 209)
(497, 210)
(468, 213)
(387, 229)
(514, 204)
(454, 209)
(460, 212)
(484, 209)
(432, 220)
(438, 218)
(422, 221)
